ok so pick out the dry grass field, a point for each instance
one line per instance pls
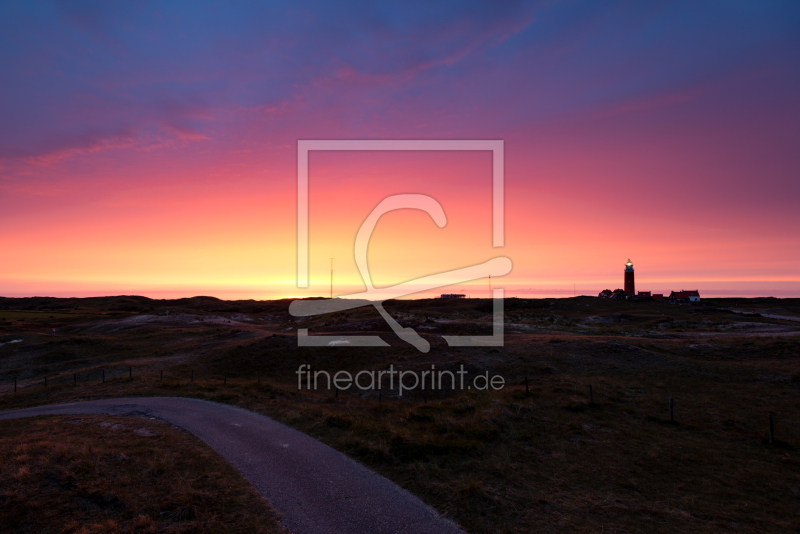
(541, 458)
(104, 474)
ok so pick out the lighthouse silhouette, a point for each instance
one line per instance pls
(629, 287)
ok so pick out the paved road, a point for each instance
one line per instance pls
(317, 489)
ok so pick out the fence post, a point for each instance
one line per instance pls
(771, 431)
(45, 381)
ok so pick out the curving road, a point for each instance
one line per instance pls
(317, 489)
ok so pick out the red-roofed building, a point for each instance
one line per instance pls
(678, 297)
(618, 294)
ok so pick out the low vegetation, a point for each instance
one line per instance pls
(537, 458)
(104, 474)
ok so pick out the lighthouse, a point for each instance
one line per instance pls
(629, 287)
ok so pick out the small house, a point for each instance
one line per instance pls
(683, 296)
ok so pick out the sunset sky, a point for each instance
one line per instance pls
(151, 148)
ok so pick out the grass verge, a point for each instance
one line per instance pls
(87, 474)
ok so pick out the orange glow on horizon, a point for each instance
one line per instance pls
(241, 240)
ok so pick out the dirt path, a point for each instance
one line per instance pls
(767, 315)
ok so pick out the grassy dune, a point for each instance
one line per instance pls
(541, 459)
(87, 474)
